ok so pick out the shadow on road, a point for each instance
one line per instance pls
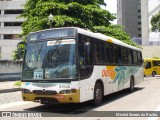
(79, 109)
(117, 95)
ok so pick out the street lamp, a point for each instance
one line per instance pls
(50, 19)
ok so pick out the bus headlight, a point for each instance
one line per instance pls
(26, 91)
(67, 91)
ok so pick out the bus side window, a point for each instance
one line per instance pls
(99, 53)
(148, 65)
(140, 61)
(124, 55)
(135, 57)
(155, 63)
(129, 53)
(117, 54)
(109, 53)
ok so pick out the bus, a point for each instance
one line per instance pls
(74, 65)
(151, 67)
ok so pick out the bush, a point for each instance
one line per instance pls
(17, 83)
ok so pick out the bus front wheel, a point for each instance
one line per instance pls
(98, 94)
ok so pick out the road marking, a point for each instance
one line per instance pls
(13, 104)
(155, 118)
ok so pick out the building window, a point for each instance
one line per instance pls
(139, 23)
(11, 36)
(12, 23)
(0, 52)
(139, 11)
(139, 29)
(139, 35)
(13, 11)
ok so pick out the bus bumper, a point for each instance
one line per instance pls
(58, 98)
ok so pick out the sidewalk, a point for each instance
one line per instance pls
(8, 86)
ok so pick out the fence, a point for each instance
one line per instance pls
(10, 70)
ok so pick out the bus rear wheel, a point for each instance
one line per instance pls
(131, 88)
(153, 74)
(98, 94)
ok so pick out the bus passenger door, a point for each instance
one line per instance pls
(85, 67)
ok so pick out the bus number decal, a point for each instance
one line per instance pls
(38, 75)
(65, 86)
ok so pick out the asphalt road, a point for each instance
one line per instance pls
(146, 97)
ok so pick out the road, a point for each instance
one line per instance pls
(146, 97)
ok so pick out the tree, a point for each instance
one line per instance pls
(155, 22)
(117, 32)
(78, 13)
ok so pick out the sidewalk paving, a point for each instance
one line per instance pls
(8, 86)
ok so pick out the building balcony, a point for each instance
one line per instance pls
(9, 5)
(11, 30)
(10, 18)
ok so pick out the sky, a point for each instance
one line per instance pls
(111, 7)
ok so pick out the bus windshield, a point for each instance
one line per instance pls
(50, 60)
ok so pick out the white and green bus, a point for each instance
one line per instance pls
(73, 65)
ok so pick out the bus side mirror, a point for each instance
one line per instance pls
(20, 49)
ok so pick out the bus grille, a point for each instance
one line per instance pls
(46, 92)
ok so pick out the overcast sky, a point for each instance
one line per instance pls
(111, 5)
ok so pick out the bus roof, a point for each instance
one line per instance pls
(150, 59)
(96, 35)
(106, 38)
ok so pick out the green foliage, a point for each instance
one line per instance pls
(15, 55)
(17, 83)
(77, 13)
(117, 32)
(155, 57)
(67, 13)
(155, 22)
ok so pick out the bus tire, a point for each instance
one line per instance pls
(98, 94)
(153, 74)
(131, 88)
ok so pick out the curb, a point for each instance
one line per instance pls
(10, 90)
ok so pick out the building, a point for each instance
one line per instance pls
(129, 16)
(10, 27)
(144, 22)
(153, 8)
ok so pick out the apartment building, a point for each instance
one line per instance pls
(145, 22)
(129, 16)
(10, 26)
